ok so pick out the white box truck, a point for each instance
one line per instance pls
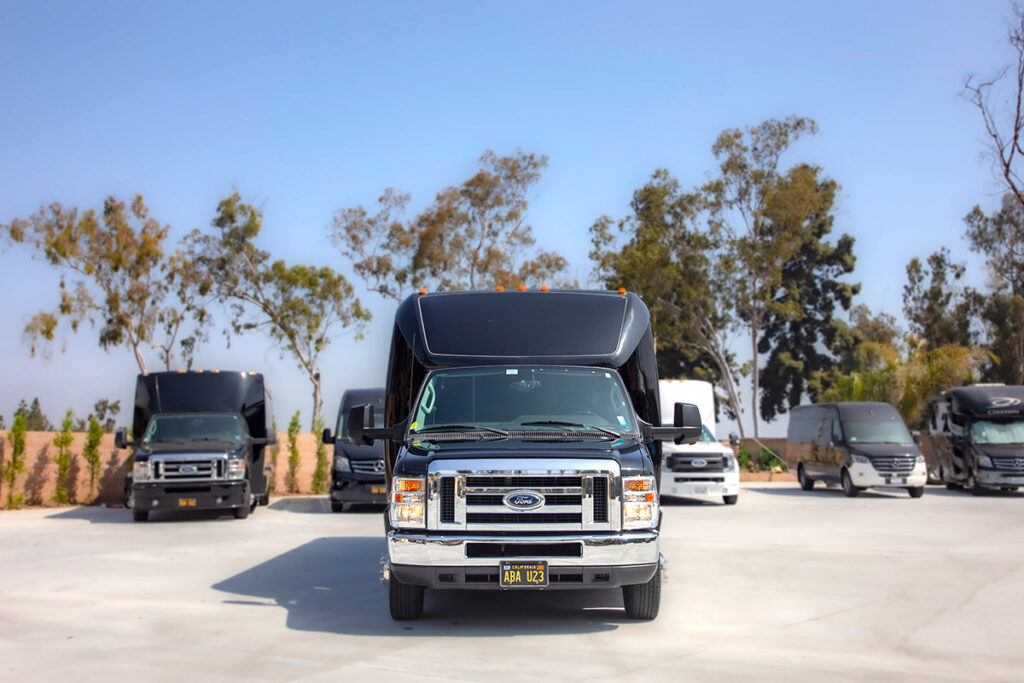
(704, 468)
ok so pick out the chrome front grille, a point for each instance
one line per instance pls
(470, 495)
(187, 469)
(1008, 463)
(712, 462)
(368, 467)
(897, 463)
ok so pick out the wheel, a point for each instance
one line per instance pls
(972, 486)
(242, 511)
(806, 483)
(338, 507)
(405, 601)
(953, 486)
(140, 515)
(730, 500)
(916, 491)
(849, 490)
(643, 600)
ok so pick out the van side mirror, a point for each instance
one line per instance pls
(360, 420)
(686, 426)
(734, 440)
(121, 438)
(327, 437)
(917, 437)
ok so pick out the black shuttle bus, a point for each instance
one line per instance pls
(357, 475)
(199, 440)
(522, 446)
(978, 437)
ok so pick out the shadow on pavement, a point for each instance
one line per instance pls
(679, 501)
(820, 491)
(331, 585)
(102, 515)
(317, 505)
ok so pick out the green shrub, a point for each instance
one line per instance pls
(62, 440)
(91, 453)
(15, 465)
(320, 473)
(293, 454)
(743, 459)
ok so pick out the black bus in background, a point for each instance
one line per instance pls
(855, 445)
(357, 474)
(522, 446)
(200, 440)
(978, 437)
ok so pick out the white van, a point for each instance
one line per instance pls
(705, 468)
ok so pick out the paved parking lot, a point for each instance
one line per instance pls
(786, 585)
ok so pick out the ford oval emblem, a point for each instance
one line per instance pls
(189, 469)
(523, 500)
(699, 462)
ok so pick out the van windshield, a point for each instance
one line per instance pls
(876, 431)
(525, 398)
(189, 427)
(988, 432)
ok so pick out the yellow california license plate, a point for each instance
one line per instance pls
(186, 502)
(523, 574)
(378, 490)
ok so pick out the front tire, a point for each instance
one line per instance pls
(338, 507)
(642, 601)
(730, 500)
(849, 490)
(806, 483)
(140, 515)
(404, 601)
(916, 491)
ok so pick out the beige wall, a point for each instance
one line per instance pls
(39, 481)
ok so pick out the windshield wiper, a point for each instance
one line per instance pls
(441, 428)
(609, 432)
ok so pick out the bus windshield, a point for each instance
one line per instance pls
(188, 427)
(531, 398)
(994, 433)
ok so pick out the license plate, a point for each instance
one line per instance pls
(523, 574)
(701, 490)
(186, 502)
(896, 480)
(378, 490)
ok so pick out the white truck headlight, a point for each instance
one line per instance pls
(236, 468)
(730, 463)
(341, 463)
(141, 471)
(408, 502)
(863, 460)
(639, 503)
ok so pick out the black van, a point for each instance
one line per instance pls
(357, 475)
(199, 440)
(855, 445)
(978, 437)
(522, 446)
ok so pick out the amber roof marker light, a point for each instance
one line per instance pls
(423, 290)
(522, 288)
(499, 288)
(543, 288)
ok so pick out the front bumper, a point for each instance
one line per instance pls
(998, 478)
(354, 489)
(865, 475)
(586, 560)
(205, 496)
(710, 484)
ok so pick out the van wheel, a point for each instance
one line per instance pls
(916, 491)
(973, 487)
(730, 500)
(338, 507)
(404, 600)
(643, 600)
(806, 483)
(140, 515)
(953, 486)
(849, 490)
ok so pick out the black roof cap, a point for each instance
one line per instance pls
(558, 327)
(991, 400)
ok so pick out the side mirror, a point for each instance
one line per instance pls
(121, 438)
(734, 440)
(360, 419)
(327, 437)
(917, 438)
(686, 426)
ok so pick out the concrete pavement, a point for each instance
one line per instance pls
(786, 585)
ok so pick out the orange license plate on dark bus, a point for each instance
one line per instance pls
(523, 574)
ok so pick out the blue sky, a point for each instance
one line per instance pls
(310, 107)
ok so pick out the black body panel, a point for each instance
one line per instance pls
(561, 578)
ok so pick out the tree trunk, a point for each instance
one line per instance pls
(318, 402)
(139, 358)
(755, 379)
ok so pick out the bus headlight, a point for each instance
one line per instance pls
(141, 471)
(639, 503)
(408, 499)
(236, 468)
(984, 461)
